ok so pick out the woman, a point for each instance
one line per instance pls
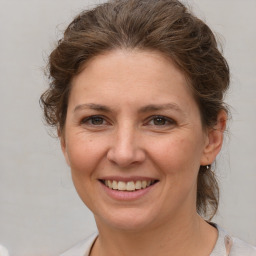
(136, 95)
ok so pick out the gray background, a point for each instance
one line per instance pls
(40, 213)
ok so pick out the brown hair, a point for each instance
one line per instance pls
(163, 25)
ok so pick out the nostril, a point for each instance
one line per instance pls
(124, 154)
(124, 158)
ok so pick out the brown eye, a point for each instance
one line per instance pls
(94, 120)
(159, 121)
(97, 120)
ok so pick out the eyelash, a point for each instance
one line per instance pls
(88, 120)
(166, 121)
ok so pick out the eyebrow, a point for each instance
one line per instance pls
(156, 107)
(145, 109)
(93, 106)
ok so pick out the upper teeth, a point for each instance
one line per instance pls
(128, 186)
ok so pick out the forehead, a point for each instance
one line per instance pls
(140, 64)
(130, 75)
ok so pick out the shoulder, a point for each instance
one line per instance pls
(231, 246)
(242, 248)
(82, 248)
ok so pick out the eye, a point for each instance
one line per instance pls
(94, 121)
(160, 121)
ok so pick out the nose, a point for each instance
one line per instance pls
(126, 149)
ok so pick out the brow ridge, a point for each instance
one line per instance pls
(93, 106)
(144, 109)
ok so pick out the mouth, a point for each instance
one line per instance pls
(129, 186)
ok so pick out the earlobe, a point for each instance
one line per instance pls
(214, 140)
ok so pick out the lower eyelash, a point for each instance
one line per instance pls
(166, 119)
(90, 118)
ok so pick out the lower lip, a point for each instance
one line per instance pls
(126, 195)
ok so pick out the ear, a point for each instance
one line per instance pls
(64, 146)
(214, 139)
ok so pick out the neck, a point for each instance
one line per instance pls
(187, 236)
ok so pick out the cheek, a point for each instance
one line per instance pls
(83, 155)
(177, 152)
(178, 160)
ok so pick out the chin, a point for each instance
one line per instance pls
(125, 220)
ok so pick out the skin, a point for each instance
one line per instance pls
(112, 129)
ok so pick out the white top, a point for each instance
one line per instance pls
(225, 246)
(3, 251)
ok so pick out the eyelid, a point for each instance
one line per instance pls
(85, 120)
(169, 120)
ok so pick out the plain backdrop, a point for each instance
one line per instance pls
(40, 212)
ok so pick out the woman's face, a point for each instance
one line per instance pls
(134, 140)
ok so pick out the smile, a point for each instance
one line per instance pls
(128, 186)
